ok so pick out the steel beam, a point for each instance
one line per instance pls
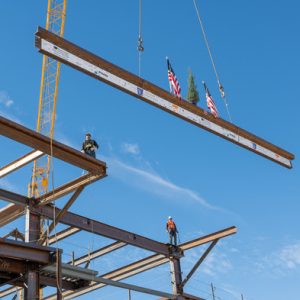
(89, 275)
(10, 213)
(61, 213)
(102, 229)
(198, 263)
(96, 67)
(97, 253)
(62, 235)
(20, 162)
(93, 226)
(25, 251)
(9, 265)
(40, 142)
(144, 264)
(67, 188)
(99, 228)
(14, 198)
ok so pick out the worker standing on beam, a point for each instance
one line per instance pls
(89, 146)
(172, 230)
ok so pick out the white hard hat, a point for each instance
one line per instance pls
(169, 217)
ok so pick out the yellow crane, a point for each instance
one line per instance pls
(56, 14)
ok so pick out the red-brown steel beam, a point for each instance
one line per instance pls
(25, 251)
(102, 229)
(95, 66)
(145, 264)
(67, 188)
(40, 142)
(90, 225)
(10, 213)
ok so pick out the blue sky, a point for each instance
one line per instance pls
(159, 165)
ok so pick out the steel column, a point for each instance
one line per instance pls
(176, 276)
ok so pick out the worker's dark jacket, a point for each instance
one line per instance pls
(89, 144)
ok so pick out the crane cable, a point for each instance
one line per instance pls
(221, 89)
(140, 46)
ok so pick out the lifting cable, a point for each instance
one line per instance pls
(221, 89)
(140, 46)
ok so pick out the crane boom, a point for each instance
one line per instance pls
(95, 66)
(55, 23)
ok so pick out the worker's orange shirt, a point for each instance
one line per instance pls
(171, 225)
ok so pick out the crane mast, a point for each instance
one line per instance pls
(55, 23)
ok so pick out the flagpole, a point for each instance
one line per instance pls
(167, 58)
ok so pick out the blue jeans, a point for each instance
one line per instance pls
(173, 237)
(90, 153)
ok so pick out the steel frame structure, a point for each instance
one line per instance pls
(41, 266)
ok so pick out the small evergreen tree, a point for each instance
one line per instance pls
(192, 96)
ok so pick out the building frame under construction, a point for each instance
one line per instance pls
(31, 264)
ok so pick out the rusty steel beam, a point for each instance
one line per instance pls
(9, 265)
(62, 234)
(145, 264)
(102, 229)
(97, 253)
(60, 214)
(10, 213)
(25, 251)
(90, 225)
(40, 142)
(209, 238)
(96, 67)
(198, 263)
(14, 198)
(67, 188)
(20, 162)
(90, 275)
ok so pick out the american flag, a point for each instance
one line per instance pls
(210, 102)
(174, 84)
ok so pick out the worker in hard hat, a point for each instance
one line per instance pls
(172, 230)
(89, 146)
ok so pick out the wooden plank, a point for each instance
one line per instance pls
(40, 142)
(20, 162)
(94, 66)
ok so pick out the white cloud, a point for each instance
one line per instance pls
(214, 264)
(5, 99)
(282, 262)
(130, 148)
(289, 256)
(152, 182)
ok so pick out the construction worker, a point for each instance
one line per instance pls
(172, 230)
(89, 146)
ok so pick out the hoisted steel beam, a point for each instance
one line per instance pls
(95, 66)
(40, 142)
